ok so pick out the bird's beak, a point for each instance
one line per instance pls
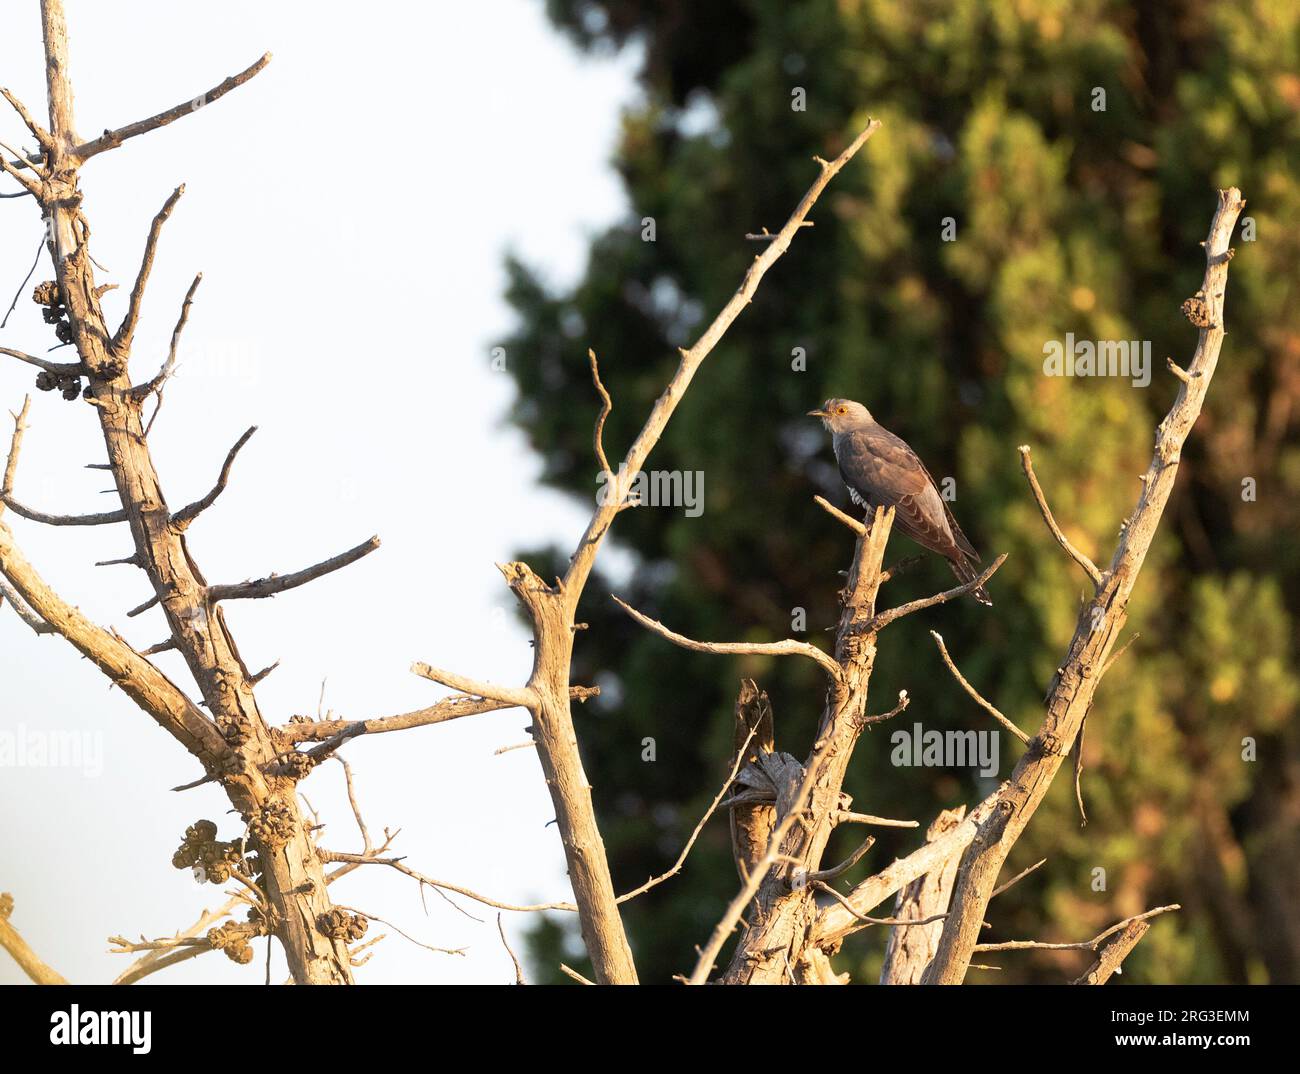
(818, 413)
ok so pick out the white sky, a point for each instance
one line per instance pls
(349, 209)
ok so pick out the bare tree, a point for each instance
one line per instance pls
(790, 911)
(274, 857)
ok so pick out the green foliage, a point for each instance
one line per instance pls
(1068, 219)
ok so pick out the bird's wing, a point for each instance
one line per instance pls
(883, 470)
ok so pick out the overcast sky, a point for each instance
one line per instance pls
(349, 209)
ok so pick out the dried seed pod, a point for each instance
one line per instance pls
(341, 925)
(233, 941)
(272, 824)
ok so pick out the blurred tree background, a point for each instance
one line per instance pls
(1068, 218)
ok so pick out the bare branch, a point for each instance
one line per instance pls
(15, 448)
(833, 923)
(38, 132)
(279, 583)
(396, 863)
(126, 331)
(33, 621)
(574, 975)
(827, 875)
(508, 695)
(132, 560)
(6, 487)
(138, 678)
(1119, 652)
(1113, 953)
(105, 518)
(844, 816)
(1086, 945)
(788, 647)
(182, 519)
(695, 834)
(40, 247)
(975, 694)
(111, 139)
(140, 609)
(854, 524)
(329, 856)
(30, 185)
(294, 882)
(1099, 624)
(71, 369)
(405, 935)
(260, 675)
(160, 378)
(552, 610)
(904, 699)
(1078, 771)
(879, 622)
(519, 970)
(606, 406)
(186, 944)
(1179, 372)
(1018, 877)
(821, 885)
(19, 950)
(453, 708)
(1089, 567)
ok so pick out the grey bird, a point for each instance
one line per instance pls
(882, 471)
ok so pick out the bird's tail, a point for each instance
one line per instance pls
(968, 571)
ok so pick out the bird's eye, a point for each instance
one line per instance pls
(839, 410)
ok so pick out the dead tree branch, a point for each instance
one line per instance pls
(234, 743)
(274, 584)
(975, 694)
(552, 610)
(788, 647)
(1086, 945)
(20, 951)
(1089, 568)
(1111, 955)
(111, 139)
(126, 331)
(186, 515)
(1099, 626)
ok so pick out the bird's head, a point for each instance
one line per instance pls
(841, 415)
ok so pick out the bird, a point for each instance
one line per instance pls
(881, 470)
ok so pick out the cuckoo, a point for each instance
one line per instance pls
(882, 471)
